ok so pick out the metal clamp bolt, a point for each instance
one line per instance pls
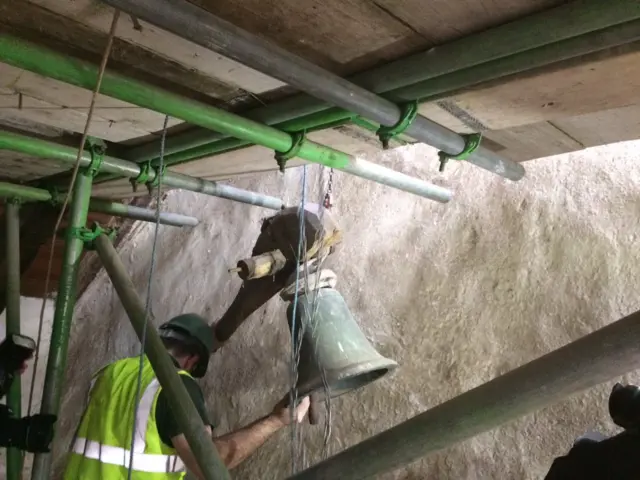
(471, 144)
(409, 114)
(282, 157)
(97, 149)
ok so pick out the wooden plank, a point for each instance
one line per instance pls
(433, 111)
(67, 36)
(35, 110)
(59, 104)
(440, 21)
(26, 126)
(71, 97)
(601, 128)
(528, 142)
(330, 33)
(580, 89)
(22, 168)
(98, 17)
(248, 161)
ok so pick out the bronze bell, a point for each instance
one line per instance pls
(332, 341)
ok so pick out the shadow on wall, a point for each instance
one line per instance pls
(456, 293)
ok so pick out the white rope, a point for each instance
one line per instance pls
(74, 175)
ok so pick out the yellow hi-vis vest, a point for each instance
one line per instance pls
(102, 447)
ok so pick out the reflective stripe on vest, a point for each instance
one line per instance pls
(111, 444)
(142, 462)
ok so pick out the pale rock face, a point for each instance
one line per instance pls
(457, 294)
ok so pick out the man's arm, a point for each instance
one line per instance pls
(236, 446)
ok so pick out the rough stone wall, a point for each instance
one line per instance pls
(456, 293)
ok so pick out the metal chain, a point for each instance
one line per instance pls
(327, 196)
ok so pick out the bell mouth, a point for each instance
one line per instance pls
(346, 381)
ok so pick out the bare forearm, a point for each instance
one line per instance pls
(236, 446)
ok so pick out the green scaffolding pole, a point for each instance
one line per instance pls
(195, 144)
(32, 194)
(61, 153)
(14, 398)
(45, 62)
(65, 303)
(185, 411)
(600, 356)
(567, 31)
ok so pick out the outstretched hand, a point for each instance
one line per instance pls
(282, 411)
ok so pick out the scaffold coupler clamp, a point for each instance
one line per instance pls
(97, 149)
(471, 144)
(282, 158)
(147, 172)
(89, 235)
(409, 112)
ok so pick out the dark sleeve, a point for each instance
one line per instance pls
(6, 421)
(615, 458)
(165, 419)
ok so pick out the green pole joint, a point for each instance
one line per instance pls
(283, 157)
(55, 195)
(145, 174)
(471, 144)
(159, 174)
(97, 149)
(409, 113)
(89, 235)
(14, 201)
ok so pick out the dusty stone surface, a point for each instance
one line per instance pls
(457, 294)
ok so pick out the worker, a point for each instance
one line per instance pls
(34, 433)
(597, 457)
(102, 446)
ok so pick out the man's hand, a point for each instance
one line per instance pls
(282, 412)
(33, 434)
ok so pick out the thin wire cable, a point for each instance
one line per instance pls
(147, 304)
(74, 175)
(310, 320)
(314, 307)
(293, 392)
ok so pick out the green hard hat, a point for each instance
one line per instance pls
(191, 327)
